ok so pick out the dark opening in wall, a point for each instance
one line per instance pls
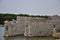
(26, 25)
(6, 28)
(58, 29)
(54, 26)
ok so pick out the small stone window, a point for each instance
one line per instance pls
(26, 25)
(54, 26)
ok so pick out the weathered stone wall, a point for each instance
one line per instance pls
(41, 27)
(38, 27)
(21, 24)
(15, 27)
(32, 26)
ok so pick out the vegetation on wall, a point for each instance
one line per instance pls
(8, 16)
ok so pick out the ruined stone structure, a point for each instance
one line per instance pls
(32, 26)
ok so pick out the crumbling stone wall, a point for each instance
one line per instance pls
(41, 27)
(15, 27)
(32, 26)
(38, 27)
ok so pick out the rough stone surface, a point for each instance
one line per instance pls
(32, 26)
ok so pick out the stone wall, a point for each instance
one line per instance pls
(16, 27)
(41, 26)
(38, 27)
(32, 26)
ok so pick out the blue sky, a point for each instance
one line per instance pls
(32, 7)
